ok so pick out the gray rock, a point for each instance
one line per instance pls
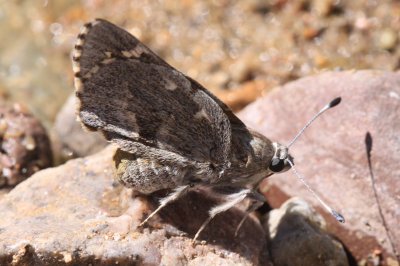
(77, 214)
(70, 140)
(332, 156)
(297, 237)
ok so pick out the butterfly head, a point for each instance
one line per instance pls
(280, 160)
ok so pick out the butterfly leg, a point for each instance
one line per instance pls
(164, 201)
(257, 200)
(231, 201)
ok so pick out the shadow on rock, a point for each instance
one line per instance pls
(191, 210)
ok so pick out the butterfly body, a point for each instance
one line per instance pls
(152, 169)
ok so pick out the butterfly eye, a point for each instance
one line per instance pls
(277, 165)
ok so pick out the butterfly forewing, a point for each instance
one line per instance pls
(128, 92)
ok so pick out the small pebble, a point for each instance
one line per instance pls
(29, 143)
(387, 39)
(322, 7)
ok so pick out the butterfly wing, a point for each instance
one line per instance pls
(132, 95)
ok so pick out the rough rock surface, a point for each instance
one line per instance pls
(77, 214)
(297, 237)
(24, 145)
(70, 140)
(332, 155)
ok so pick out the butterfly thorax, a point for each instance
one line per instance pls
(249, 162)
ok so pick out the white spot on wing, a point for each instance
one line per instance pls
(92, 71)
(79, 42)
(78, 84)
(136, 52)
(139, 49)
(95, 22)
(108, 61)
(170, 85)
(127, 54)
(76, 66)
(84, 30)
(202, 115)
(77, 53)
(95, 69)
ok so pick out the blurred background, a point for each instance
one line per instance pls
(236, 49)
(239, 50)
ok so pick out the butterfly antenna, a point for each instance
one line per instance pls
(334, 213)
(333, 103)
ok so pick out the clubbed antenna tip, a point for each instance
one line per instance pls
(334, 213)
(338, 216)
(335, 102)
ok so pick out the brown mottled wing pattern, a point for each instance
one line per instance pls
(130, 94)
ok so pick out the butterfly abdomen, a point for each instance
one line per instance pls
(147, 175)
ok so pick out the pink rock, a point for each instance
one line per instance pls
(331, 154)
(77, 214)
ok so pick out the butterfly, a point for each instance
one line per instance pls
(172, 133)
